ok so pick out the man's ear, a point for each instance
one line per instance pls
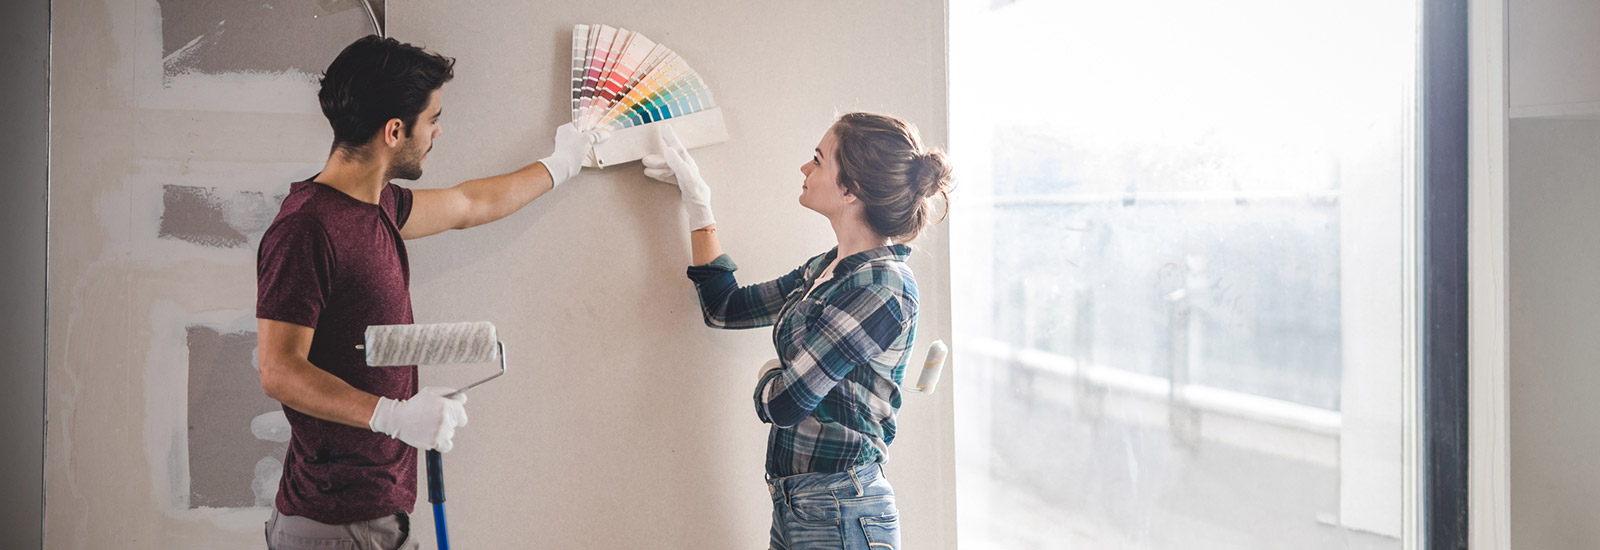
(393, 132)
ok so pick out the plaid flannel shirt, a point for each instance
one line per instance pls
(843, 348)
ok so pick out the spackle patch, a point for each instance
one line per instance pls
(261, 37)
(271, 426)
(233, 430)
(269, 471)
(215, 218)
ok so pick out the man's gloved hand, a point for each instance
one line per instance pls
(674, 165)
(427, 421)
(572, 147)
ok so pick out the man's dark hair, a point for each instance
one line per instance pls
(376, 79)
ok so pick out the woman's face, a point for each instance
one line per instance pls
(821, 190)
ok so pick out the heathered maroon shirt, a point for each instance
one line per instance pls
(337, 265)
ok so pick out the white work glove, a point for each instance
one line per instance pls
(674, 165)
(427, 421)
(572, 148)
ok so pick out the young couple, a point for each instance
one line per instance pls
(334, 262)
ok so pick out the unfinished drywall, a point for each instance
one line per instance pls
(211, 217)
(229, 467)
(202, 36)
(624, 421)
(25, 26)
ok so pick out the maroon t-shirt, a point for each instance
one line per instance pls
(337, 265)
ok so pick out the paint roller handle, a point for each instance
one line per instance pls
(441, 533)
(435, 477)
(427, 421)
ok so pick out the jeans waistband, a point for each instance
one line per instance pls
(855, 478)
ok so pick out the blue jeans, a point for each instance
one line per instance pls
(851, 510)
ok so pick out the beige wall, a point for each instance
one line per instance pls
(1551, 198)
(1550, 194)
(625, 423)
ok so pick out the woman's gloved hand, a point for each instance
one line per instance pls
(674, 165)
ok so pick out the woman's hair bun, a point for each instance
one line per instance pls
(933, 173)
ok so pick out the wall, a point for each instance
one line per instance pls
(1550, 43)
(1552, 326)
(24, 151)
(1553, 94)
(624, 422)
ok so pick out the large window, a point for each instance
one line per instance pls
(1181, 241)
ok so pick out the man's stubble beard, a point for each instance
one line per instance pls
(407, 167)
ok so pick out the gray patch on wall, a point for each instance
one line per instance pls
(210, 217)
(211, 37)
(235, 448)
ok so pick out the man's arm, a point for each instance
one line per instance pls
(481, 201)
(475, 202)
(289, 377)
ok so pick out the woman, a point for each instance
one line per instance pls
(843, 324)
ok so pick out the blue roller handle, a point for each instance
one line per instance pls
(436, 496)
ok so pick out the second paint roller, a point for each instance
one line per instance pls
(435, 344)
(931, 367)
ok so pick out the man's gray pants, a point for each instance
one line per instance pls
(297, 533)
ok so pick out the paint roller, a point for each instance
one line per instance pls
(932, 366)
(435, 344)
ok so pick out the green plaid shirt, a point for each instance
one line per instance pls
(844, 350)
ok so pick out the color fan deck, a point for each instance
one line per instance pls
(632, 87)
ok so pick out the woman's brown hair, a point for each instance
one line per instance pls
(883, 163)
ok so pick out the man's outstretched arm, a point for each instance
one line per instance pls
(480, 201)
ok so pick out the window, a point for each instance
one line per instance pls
(1182, 235)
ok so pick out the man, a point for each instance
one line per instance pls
(334, 262)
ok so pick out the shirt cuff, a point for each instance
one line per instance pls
(760, 395)
(304, 319)
(723, 264)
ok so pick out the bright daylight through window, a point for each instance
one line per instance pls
(1179, 236)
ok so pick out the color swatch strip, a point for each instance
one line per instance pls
(580, 58)
(622, 79)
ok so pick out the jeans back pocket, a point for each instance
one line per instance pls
(883, 532)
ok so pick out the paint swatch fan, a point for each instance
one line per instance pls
(633, 87)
